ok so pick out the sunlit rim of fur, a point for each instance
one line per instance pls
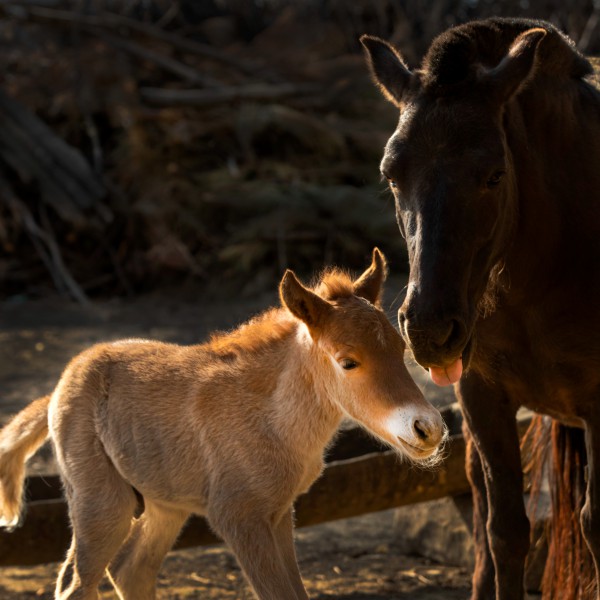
(334, 284)
(276, 323)
(253, 335)
(489, 301)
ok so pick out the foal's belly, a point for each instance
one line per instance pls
(196, 473)
(176, 479)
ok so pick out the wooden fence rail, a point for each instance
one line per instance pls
(360, 477)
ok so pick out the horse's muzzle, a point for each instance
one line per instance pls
(434, 342)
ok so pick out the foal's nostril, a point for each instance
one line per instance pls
(420, 430)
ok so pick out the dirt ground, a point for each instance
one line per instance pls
(351, 559)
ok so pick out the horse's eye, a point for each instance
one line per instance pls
(495, 179)
(390, 181)
(348, 364)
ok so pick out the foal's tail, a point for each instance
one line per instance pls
(18, 441)
(558, 452)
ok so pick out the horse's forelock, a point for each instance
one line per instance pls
(456, 55)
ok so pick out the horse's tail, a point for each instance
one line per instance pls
(23, 435)
(558, 453)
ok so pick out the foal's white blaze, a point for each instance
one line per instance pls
(9, 524)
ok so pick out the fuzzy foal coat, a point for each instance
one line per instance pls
(234, 429)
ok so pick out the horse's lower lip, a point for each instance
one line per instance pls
(465, 356)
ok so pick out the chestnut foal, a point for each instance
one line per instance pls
(233, 429)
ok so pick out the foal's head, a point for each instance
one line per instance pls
(364, 357)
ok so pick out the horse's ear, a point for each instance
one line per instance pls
(301, 302)
(370, 284)
(387, 67)
(515, 68)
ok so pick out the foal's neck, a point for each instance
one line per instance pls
(304, 411)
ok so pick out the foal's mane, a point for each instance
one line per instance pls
(276, 324)
(335, 284)
(255, 336)
(455, 55)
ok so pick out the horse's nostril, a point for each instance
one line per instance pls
(420, 430)
(456, 332)
(451, 336)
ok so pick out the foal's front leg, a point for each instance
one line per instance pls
(491, 421)
(284, 534)
(262, 548)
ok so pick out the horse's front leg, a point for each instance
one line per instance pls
(590, 513)
(484, 574)
(491, 420)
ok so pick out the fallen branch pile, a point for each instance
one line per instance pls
(162, 143)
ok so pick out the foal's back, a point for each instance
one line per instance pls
(154, 407)
(146, 378)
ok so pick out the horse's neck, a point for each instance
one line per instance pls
(555, 141)
(303, 409)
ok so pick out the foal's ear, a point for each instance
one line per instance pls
(387, 68)
(370, 284)
(515, 68)
(302, 302)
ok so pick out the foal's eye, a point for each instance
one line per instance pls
(348, 364)
(495, 179)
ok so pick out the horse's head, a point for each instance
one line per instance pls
(451, 171)
(363, 358)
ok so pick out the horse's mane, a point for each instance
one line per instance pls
(455, 55)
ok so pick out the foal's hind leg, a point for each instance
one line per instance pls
(65, 575)
(101, 510)
(134, 569)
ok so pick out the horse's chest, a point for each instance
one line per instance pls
(546, 369)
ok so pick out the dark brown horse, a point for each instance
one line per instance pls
(495, 170)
